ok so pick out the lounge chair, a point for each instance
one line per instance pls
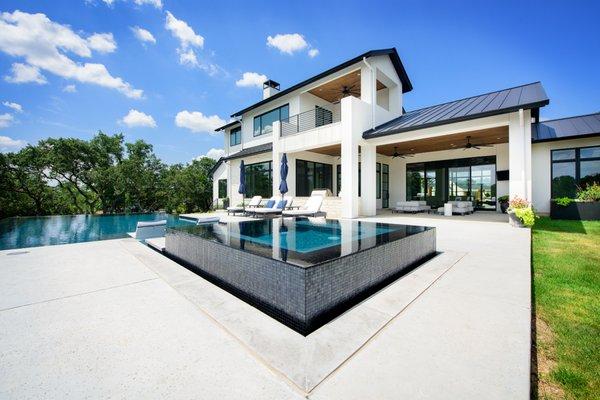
(311, 208)
(278, 208)
(254, 202)
(149, 229)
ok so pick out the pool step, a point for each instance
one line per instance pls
(156, 243)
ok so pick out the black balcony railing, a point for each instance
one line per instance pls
(308, 120)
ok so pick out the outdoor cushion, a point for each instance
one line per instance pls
(270, 204)
(142, 224)
(281, 204)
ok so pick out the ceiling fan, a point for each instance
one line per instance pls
(470, 145)
(344, 91)
(401, 155)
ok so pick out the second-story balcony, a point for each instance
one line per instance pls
(308, 120)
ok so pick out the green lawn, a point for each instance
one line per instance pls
(566, 268)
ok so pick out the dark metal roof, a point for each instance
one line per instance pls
(566, 128)
(261, 148)
(406, 84)
(250, 151)
(228, 125)
(527, 96)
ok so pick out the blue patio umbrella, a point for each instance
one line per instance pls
(283, 188)
(242, 187)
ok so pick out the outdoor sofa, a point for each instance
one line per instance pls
(413, 206)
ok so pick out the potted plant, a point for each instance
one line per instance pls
(521, 213)
(503, 200)
(585, 207)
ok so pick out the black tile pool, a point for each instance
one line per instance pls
(301, 271)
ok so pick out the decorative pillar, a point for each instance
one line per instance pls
(519, 154)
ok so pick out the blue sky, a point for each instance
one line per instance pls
(201, 49)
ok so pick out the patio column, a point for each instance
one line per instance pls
(519, 154)
(349, 159)
(276, 157)
(368, 176)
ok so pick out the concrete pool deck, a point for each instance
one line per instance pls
(117, 319)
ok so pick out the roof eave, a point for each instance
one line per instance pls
(394, 57)
(368, 135)
(556, 139)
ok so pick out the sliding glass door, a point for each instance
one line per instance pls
(465, 179)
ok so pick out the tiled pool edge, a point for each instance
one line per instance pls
(302, 298)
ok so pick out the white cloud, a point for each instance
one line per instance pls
(44, 44)
(136, 119)
(22, 73)
(250, 79)
(70, 89)
(6, 120)
(288, 43)
(198, 122)
(15, 106)
(188, 58)
(143, 35)
(215, 154)
(9, 144)
(312, 53)
(155, 3)
(183, 32)
(102, 42)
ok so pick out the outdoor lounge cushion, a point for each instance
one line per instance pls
(311, 207)
(207, 220)
(270, 204)
(272, 210)
(149, 229)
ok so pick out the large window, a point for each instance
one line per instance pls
(259, 181)
(467, 179)
(378, 180)
(572, 168)
(312, 175)
(235, 136)
(222, 188)
(263, 124)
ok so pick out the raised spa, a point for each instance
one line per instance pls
(301, 271)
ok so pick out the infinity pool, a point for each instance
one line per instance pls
(301, 271)
(17, 233)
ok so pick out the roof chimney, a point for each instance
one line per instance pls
(270, 88)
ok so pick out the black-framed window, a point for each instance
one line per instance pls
(235, 136)
(263, 123)
(222, 188)
(467, 179)
(312, 175)
(378, 180)
(572, 168)
(259, 179)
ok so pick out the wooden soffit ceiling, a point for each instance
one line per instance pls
(448, 142)
(346, 85)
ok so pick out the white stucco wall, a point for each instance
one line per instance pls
(219, 173)
(541, 168)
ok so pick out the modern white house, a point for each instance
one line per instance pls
(347, 130)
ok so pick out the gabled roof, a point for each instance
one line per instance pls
(527, 96)
(566, 128)
(396, 62)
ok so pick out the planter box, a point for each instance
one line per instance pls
(577, 210)
(514, 220)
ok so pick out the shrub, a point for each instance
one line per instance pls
(503, 199)
(526, 215)
(590, 193)
(563, 201)
(517, 203)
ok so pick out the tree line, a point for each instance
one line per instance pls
(101, 175)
